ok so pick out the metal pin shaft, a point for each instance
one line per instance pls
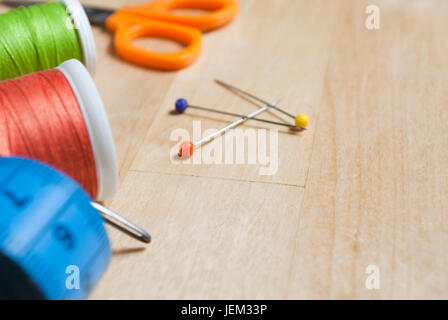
(253, 97)
(242, 116)
(122, 224)
(234, 124)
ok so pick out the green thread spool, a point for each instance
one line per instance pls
(42, 36)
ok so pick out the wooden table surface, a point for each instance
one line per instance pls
(365, 185)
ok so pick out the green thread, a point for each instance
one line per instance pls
(36, 38)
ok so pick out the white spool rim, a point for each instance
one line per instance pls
(97, 126)
(82, 25)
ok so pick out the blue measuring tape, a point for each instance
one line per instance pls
(53, 244)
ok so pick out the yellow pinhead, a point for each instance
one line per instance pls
(302, 121)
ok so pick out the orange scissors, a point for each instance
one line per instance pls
(156, 19)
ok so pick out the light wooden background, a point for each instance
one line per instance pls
(367, 184)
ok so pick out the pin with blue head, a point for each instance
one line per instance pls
(181, 105)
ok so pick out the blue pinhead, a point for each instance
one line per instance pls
(181, 105)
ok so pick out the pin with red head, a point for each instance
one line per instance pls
(186, 149)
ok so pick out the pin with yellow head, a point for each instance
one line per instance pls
(302, 121)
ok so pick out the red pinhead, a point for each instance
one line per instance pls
(186, 149)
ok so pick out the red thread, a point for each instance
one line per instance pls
(40, 119)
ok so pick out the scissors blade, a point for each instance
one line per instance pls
(12, 3)
(97, 16)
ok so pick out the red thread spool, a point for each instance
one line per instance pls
(57, 116)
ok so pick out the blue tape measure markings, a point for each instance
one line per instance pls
(46, 225)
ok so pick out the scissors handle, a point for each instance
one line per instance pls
(157, 20)
(125, 34)
(219, 12)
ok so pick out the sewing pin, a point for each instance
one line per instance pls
(122, 224)
(301, 120)
(182, 105)
(187, 147)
